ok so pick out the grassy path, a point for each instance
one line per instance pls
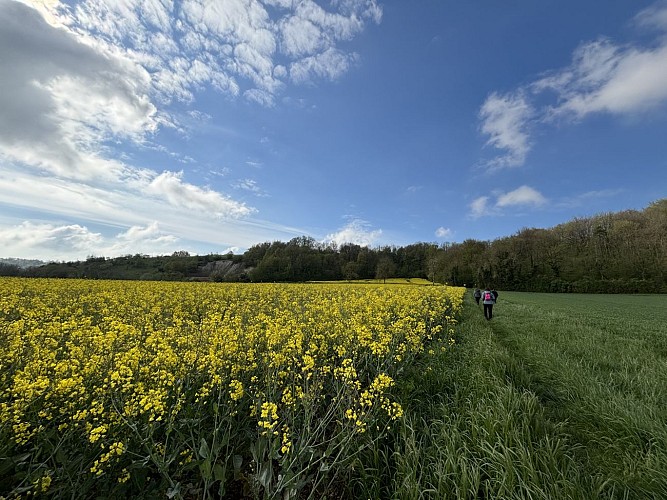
(556, 397)
(598, 364)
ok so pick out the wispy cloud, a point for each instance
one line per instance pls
(603, 77)
(170, 186)
(653, 17)
(588, 198)
(608, 78)
(505, 121)
(184, 216)
(479, 207)
(251, 186)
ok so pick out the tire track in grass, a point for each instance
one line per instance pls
(479, 435)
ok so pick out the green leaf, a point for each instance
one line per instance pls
(22, 458)
(205, 469)
(204, 450)
(265, 474)
(172, 492)
(219, 472)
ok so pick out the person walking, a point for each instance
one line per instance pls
(488, 299)
(477, 294)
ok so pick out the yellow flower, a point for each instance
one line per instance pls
(124, 477)
(236, 390)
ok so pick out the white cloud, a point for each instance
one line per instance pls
(356, 231)
(48, 241)
(239, 46)
(139, 233)
(505, 120)
(170, 186)
(63, 98)
(90, 77)
(65, 200)
(75, 242)
(148, 239)
(521, 196)
(589, 197)
(524, 195)
(443, 232)
(479, 207)
(251, 186)
(329, 64)
(653, 17)
(607, 78)
(300, 37)
(604, 77)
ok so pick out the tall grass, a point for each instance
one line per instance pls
(557, 397)
(599, 364)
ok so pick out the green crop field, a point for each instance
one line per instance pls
(559, 396)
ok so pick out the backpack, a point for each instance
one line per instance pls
(488, 296)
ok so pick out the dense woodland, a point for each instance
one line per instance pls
(623, 252)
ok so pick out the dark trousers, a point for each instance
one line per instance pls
(477, 300)
(488, 311)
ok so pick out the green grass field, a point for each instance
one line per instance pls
(559, 396)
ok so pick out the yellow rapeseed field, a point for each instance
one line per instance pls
(119, 388)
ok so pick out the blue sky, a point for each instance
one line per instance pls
(160, 125)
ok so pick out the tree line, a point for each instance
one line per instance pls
(622, 252)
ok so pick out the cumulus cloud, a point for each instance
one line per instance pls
(48, 241)
(355, 231)
(523, 196)
(91, 77)
(74, 241)
(603, 77)
(148, 239)
(443, 232)
(329, 64)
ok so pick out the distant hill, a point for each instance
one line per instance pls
(178, 266)
(22, 263)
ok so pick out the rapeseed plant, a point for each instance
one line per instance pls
(107, 383)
